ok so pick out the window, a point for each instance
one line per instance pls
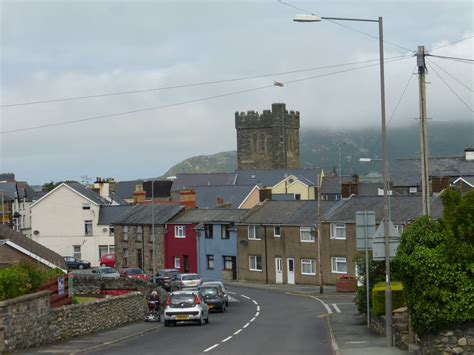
(307, 234)
(179, 232)
(103, 250)
(297, 196)
(111, 231)
(228, 264)
(210, 262)
(88, 227)
(255, 263)
(338, 231)
(125, 257)
(177, 262)
(338, 265)
(399, 228)
(125, 233)
(139, 233)
(253, 233)
(225, 232)
(208, 231)
(277, 232)
(76, 251)
(338, 197)
(308, 267)
(86, 206)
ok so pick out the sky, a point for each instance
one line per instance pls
(192, 51)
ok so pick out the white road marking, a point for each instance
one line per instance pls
(228, 338)
(336, 308)
(258, 308)
(232, 299)
(232, 293)
(252, 319)
(356, 342)
(246, 325)
(237, 332)
(257, 314)
(212, 347)
(255, 302)
(247, 297)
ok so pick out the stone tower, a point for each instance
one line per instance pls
(269, 140)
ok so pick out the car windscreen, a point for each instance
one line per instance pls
(134, 271)
(108, 270)
(186, 299)
(205, 291)
(190, 277)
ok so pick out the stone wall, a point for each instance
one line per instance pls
(29, 320)
(89, 284)
(457, 340)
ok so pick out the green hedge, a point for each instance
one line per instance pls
(378, 297)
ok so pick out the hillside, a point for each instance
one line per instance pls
(321, 148)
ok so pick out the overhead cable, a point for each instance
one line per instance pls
(452, 76)
(451, 43)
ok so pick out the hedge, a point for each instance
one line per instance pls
(378, 297)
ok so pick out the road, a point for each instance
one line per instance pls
(256, 322)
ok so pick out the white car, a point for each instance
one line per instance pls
(185, 306)
(183, 281)
(105, 271)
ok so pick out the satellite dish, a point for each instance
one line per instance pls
(244, 243)
(104, 230)
(36, 232)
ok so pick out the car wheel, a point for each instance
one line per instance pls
(201, 321)
(167, 323)
(223, 308)
(227, 303)
(207, 320)
(81, 267)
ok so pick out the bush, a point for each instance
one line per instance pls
(378, 297)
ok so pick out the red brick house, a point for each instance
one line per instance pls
(180, 246)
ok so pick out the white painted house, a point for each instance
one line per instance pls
(75, 221)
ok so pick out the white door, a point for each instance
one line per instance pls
(278, 271)
(291, 270)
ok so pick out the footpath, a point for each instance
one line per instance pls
(350, 335)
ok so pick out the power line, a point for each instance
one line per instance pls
(189, 85)
(451, 89)
(452, 58)
(396, 107)
(451, 43)
(348, 27)
(182, 102)
(452, 76)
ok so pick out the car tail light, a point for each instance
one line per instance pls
(221, 293)
(166, 277)
(181, 283)
(168, 300)
(196, 299)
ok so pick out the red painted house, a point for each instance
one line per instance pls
(180, 247)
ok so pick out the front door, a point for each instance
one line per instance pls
(234, 268)
(278, 271)
(291, 271)
(185, 263)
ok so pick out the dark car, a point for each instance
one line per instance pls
(73, 263)
(213, 296)
(164, 277)
(134, 273)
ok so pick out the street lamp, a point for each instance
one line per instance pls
(153, 230)
(388, 289)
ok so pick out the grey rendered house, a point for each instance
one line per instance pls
(277, 242)
(216, 239)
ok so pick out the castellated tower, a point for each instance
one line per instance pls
(269, 140)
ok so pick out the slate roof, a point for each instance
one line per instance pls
(289, 213)
(468, 179)
(125, 189)
(32, 246)
(271, 177)
(9, 190)
(283, 197)
(141, 214)
(91, 195)
(206, 196)
(184, 181)
(402, 208)
(217, 215)
(111, 214)
(26, 191)
(161, 188)
(332, 184)
(407, 172)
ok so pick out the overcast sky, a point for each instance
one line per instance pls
(63, 49)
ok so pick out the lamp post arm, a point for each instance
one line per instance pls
(350, 19)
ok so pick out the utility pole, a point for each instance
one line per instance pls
(425, 184)
(320, 263)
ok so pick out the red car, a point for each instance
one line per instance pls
(135, 273)
(107, 260)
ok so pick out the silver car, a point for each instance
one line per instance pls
(183, 281)
(105, 271)
(223, 288)
(185, 306)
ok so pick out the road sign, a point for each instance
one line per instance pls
(379, 241)
(365, 229)
(61, 286)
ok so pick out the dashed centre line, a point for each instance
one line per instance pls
(212, 347)
(228, 338)
(238, 331)
(247, 297)
(246, 325)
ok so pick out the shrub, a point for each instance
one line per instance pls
(378, 297)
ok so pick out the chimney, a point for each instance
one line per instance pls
(187, 198)
(139, 195)
(219, 201)
(469, 154)
(264, 194)
(103, 186)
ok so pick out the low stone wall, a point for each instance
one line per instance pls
(29, 321)
(88, 284)
(457, 340)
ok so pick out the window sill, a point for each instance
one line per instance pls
(307, 241)
(308, 274)
(338, 272)
(254, 238)
(180, 237)
(255, 270)
(334, 238)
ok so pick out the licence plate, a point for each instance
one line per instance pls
(210, 305)
(182, 317)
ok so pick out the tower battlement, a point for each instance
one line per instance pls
(268, 118)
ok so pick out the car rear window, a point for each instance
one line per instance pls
(208, 291)
(190, 277)
(186, 298)
(134, 271)
(109, 270)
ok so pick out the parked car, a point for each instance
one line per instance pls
(185, 306)
(213, 295)
(164, 277)
(185, 281)
(223, 287)
(134, 273)
(73, 263)
(107, 260)
(105, 271)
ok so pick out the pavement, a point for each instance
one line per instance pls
(349, 333)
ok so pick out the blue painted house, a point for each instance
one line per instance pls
(216, 239)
